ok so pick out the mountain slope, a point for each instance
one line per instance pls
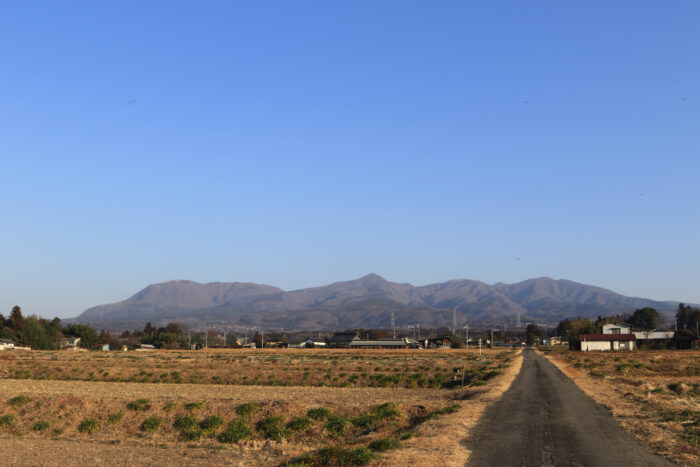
(364, 302)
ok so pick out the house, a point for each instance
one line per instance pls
(616, 328)
(437, 343)
(70, 343)
(379, 344)
(105, 348)
(552, 341)
(654, 335)
(605, 342)
(342, 340)
(6, 344)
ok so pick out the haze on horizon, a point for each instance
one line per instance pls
(299, 144)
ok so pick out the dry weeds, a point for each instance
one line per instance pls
(65, 404)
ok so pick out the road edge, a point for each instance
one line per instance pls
(444, 440)
(648, 435)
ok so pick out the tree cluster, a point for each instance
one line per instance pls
(688, 325)
(42, 334)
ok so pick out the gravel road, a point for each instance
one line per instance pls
(545, 420)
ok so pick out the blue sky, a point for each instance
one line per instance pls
(301, 143)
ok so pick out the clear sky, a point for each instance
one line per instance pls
(299, 143)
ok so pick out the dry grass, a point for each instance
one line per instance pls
(654, 394)
(262, 367)
(413, 412)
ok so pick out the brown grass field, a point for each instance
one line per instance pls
(378, 407)
(654, 394)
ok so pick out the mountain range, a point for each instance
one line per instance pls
(367, 302)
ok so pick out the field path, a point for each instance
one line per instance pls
(545, 420)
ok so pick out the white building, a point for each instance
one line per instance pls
(6, 344)
(607, 342)
(616, 328)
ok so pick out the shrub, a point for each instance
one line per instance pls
(139, 405)
(19, 401)
(236, 431)
(335, 455)
(115, 417)
(247, 409)
(479, 382)
(365, 421)
(384, 444)
(170, 406)
(151, 423)
(319, 413)
(185, 423)
(192, 435)
(194, 406)
(387, 410)
(335, 425)
(41, 425)
(211, 423)
(7, 420)
(89, 425)
(299, 424)
(273, 428)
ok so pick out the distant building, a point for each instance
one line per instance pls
(105, 348)
(437, 343)
(311, 344)
(654, 335)
(6, 344)
(70, 343)
(616, 328)
(607, 342)
(379, 344)
(342, 340)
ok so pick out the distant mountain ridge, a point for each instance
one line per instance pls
(365, 302)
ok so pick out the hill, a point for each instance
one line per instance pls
(365, 302)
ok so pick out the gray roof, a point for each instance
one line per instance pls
(383, 343)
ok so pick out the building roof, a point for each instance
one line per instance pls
(382, 343)
(606, 337)
(6, 341)
(346, 337)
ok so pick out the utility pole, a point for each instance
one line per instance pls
(492, 346)
(262, 339)
(393, 324)
(206, 339)
(467, 339)
(454, 321)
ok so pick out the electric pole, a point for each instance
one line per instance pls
(393, 324)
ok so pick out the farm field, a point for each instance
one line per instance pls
(324, 421)
(654, 394)
(269, 367)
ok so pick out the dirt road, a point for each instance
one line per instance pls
(545, 420)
